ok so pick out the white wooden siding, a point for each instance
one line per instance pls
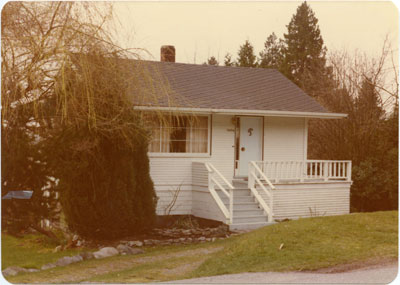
(183, 203)
(204, 205)
(299, 200)
(168, 172)
(284, 138)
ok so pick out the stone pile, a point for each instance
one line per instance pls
(165, 236)
(66, 260)
(172, 236)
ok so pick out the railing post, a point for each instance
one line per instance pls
(250, 176)
(326, 171)
(349, 171)
(303, 170)
(210, 181)
(230, 206)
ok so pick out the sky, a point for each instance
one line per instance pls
(199, 30)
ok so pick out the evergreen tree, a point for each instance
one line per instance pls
(228, 60)
(304, 51)
(271, 56)
(246, 56)
(212, 61)
(105, 185)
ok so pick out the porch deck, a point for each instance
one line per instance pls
(275, 190)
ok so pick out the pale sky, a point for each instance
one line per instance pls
(199, 30)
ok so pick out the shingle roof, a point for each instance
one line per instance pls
(219, 87)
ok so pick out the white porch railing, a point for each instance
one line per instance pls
(324, 170)
(213, 175)
(258, 178)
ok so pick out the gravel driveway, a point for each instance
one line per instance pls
(371, 275)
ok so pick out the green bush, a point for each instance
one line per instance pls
(108, 193)
(99, 151)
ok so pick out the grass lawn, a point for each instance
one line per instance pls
(308, 244)
(31, 251)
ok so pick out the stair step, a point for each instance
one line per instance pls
(243, 205)
(238, 199)
(249, 219)
(236, 192)
(247, 213)
(249, 226)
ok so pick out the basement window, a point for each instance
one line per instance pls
(189, 134)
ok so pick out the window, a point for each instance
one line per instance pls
(180, 135)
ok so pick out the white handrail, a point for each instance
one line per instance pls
(325, 170)
(212, 181)
(253, 168)
(220, 175)
(262, 175)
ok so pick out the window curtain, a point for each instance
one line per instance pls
(199, 135)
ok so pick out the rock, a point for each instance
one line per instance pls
(201, 239)
(79, 243)
(135, 243)
(124, 249)
(32, 270)
(86, 255)
(75, 238)
(63, 261)
(76, 258)
(13, 270)
(58, 248)
(221, 231)
(213, 239)
(182, 239)
(48, 266)
(105, 252)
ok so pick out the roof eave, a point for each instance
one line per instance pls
(270, 113)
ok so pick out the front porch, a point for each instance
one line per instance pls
(272, 190)
(278, 171)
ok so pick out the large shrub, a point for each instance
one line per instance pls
(99, 150)
(106, 190)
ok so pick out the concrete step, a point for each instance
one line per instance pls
(239, 183)
(244, 205)
(249, 219)
(236, 192)
(249, 226)
(238, 199)
(247, 213)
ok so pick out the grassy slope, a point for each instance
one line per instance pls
(309, 244)
(31, 251)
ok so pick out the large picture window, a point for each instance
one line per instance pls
(180, 135)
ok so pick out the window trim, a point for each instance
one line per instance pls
(189, 154)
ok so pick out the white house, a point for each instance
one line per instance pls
(242, 159)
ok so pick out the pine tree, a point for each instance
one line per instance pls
(228, 60)
(304, 51)
(271, 56)
(212, 61)
(246, 56)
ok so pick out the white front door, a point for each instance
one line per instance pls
(250, 142)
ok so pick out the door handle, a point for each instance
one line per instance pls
(242, 149)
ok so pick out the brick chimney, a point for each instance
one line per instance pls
(168, 53)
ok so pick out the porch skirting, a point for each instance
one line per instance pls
(290, 200)
(301, 200)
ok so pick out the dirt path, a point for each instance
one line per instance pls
(86, 272)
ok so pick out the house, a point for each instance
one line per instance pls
(240, 155)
